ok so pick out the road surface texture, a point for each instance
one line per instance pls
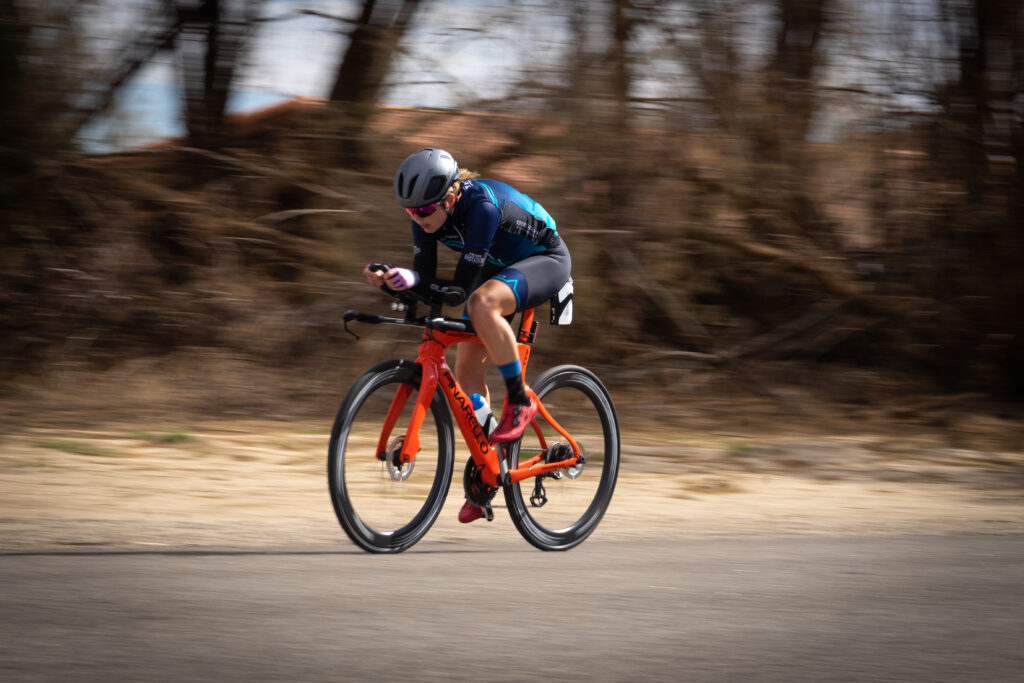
(210, 552)
(811, 608)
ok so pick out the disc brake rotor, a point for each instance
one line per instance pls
(398, 470)
(576, 470)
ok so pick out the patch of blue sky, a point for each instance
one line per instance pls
(454, 53)
(471, 53)
(146, 109)
(293, 55)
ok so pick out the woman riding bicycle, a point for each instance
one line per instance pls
(512, 259)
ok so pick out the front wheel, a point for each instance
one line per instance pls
(384, 505)
(558, 512)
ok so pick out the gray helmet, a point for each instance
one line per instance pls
(424, 177)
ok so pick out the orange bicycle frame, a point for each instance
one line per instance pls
(435, 373)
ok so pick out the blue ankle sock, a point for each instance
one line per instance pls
(513, 375)
(510, 370)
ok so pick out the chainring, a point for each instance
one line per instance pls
(477, 492)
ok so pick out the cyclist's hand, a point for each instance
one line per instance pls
(374, 273)
(400, 279)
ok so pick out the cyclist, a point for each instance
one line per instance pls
(512, 259)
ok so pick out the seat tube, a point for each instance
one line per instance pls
(525, 337)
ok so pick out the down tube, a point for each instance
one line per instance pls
(484, 454)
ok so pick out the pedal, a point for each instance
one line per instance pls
(539, 496)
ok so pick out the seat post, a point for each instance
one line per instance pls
(527, 328)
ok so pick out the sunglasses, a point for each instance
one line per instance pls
(424, 211)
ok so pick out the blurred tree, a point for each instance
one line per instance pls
(212, 41)
(14, 125)
(42, 67)
(210, 35)
(762, 122)
(97, 92)
(598, 99)
(701, 200)
(977, 144)
(362, 70)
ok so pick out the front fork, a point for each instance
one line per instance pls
(411, 442)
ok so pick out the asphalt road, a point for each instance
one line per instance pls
(811, 608)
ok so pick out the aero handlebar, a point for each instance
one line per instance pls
(408, 299)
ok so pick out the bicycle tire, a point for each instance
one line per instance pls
(382, 514)
(578, 400)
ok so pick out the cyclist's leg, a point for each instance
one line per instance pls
(537, 279)
(529, 283)
(488, 307)
(523, 285)
(471, 361)
(471, 365)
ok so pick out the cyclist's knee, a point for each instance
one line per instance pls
(481, 303)
(489, 300)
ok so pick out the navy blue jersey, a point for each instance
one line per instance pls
(492, 224)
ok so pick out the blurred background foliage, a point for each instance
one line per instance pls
(791, 189)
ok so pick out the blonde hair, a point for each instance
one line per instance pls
(464, 174)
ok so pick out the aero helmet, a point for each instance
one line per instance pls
(424, 177)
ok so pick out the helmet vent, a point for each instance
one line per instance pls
(436, 186)
(408, 188)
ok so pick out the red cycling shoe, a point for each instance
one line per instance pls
(514, 420)
(470, 512)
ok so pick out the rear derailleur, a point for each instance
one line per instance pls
(556, 453)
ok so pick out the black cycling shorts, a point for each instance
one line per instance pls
(536, 279)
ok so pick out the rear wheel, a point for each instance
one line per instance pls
(384, 505)
(558, 512)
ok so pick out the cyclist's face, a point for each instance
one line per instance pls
(434, 221)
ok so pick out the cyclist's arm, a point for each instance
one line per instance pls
(424, 263)
(481, 225)
(424, 254)
(466, 273)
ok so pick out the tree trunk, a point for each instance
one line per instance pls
(217, 33)
(363, 70)
(14, 159)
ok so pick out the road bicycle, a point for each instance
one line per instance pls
(392, 450)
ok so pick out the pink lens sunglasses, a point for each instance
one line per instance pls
(424, 211)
